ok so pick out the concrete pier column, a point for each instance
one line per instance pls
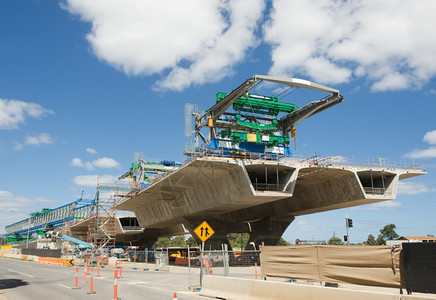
(267, 231)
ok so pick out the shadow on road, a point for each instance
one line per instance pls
(11, 283)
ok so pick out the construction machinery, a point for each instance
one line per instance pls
(256, 124)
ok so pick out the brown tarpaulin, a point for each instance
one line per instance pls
(364, 265)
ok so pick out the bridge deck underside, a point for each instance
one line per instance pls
(224, 189)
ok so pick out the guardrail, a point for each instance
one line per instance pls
(374, 191)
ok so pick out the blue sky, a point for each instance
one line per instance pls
(86, 84)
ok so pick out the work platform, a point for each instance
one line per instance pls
(260, 196)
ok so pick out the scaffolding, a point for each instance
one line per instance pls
(102, 225)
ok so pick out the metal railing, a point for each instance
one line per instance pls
(273, 187)
(374, 191)
(380, 163)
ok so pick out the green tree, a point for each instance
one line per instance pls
(388, 232)
(235, 240)
(371, 240)
(334, 240)
(163, 242)
(178, 241)
(191, 242)
(380, 240)
(297, 242)
(283, 242)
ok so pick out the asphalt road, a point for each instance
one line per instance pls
(29, 280)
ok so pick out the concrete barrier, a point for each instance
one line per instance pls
(226, 287)
(246, 289)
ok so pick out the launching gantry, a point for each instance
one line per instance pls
(243, 178)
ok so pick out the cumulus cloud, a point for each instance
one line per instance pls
(413, 188)
(429, 137)
(14, 112)
(42, 138)
(91, 150)
(422, 153)
(91, 180)
(77, 162)
(17, 207)
(389, 43)
(36, 140)
(195, 41)
(106, 163)
(102, 163)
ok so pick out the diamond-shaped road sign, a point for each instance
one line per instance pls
(204, 231)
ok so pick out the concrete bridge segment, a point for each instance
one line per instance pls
(260, 197)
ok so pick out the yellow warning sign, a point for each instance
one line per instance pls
(204, 231)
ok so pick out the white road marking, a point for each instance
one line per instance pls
(137, 282)
(20, 273)
(65, 286)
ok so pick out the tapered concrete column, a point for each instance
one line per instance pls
(267, 231)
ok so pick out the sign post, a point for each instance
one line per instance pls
(204, 232)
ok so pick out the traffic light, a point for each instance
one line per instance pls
(350, 223)
(345, 238)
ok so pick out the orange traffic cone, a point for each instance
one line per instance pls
(175, 296)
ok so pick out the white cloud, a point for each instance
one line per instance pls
(380, 206)
(390, 43)
(15, 112)
(91, 150)
(413, 188)
(77, 162)
(36, 140)
(196, 41)
(42, 138)
(91, 180)
(17, 207)
(422, 153)
(105, 163)
(430, 137)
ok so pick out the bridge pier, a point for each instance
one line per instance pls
(266, 231)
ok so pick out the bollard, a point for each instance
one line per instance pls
(91, 283)
(255, 270)
(175, 296)
(115, 285)
(76, 284)
(84, 274)
(121, 268)
(98, 270)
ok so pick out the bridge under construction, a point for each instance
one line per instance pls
(240, 177)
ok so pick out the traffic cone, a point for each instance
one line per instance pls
(175, 296)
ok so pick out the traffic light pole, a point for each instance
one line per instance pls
(346, 227)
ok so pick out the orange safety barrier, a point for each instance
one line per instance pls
(181, 261)
(54, 261)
